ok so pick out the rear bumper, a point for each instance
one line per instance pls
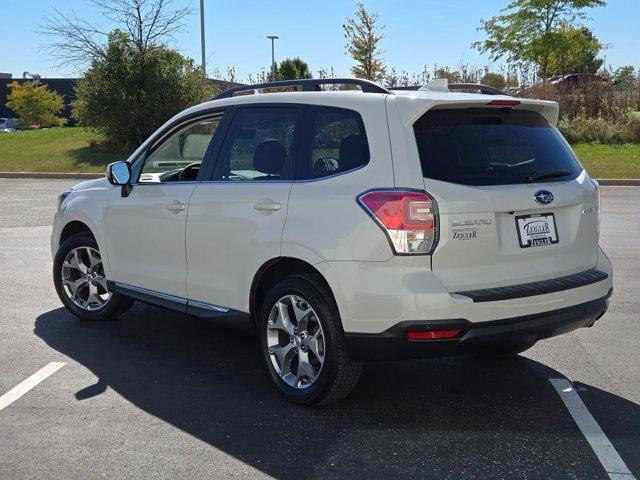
(392, 343)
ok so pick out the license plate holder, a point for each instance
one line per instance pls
(537, 230)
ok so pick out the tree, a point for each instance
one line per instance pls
(626, 76)
(577, 52)
(445, 72)
(35, 104)
(494, 80)
(363, 34)
(147, 23)
(531, 31)
(128, 93)
(292, 69)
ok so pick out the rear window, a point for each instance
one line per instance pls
(492, 147)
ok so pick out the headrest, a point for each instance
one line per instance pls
(194, 146)
(353, 152)
(270, 157)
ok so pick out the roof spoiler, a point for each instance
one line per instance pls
(443, 85)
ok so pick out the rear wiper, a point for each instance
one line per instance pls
(535, 176)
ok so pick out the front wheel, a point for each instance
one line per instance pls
(303, 344)
(79, 278)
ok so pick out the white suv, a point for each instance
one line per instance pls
(347, 225)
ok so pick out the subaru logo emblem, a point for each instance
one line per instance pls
(543, 197)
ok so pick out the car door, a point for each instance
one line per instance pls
(146, 229)
(236, 218)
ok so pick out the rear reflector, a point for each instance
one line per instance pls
(434, 334)
(504, 103)
(407, 217)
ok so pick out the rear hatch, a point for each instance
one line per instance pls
(515, 205)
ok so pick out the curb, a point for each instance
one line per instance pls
(83, 176)
(619, 182)
(610, 182)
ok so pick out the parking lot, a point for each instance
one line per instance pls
(160, 395)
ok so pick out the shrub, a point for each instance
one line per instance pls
(583, 128)
(131, 92)
(35, 104)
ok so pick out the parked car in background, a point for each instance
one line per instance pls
(8, 125)
(557, 82)
(577, 79)
(346, 226)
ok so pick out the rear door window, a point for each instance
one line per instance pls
(492, 147)
(338, 144)
(259, 145)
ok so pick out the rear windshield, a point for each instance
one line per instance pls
(492, 147)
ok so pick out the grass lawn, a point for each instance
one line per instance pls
(54, 150)
(75, 150)
(610, 161)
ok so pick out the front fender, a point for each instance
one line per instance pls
(90, 208)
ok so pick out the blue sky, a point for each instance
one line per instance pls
(418, 32)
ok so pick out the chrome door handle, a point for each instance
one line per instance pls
(176, 207)
(267, 206)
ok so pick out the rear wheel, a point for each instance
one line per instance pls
(80, 281)
(303, 344)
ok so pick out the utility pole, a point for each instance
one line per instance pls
(204, 65)
(273, 38)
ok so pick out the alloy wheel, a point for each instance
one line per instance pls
(83, 279)
(295, 341)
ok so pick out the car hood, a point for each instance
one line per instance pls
(95, 183)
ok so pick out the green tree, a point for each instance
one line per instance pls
(292, 69)
(531, 31)
(363, 34)
(626, 76)
(577, 52)
(129, 92)
(35, 104)
(494, 80)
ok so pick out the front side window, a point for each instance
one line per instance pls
(338, 144)
(486, 146)
(178, 157)
(258, 146)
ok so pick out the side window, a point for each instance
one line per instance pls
(258, 145)
(338, 144)
(178, 157)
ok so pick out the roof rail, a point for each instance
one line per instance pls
(485, 89)
(306, 85)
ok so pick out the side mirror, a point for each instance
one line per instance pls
(119, 174)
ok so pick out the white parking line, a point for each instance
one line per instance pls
(604, 450)
(23, 387)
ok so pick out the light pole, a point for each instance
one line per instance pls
(273, 39)
(204, 67)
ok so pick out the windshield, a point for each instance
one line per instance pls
(484, 146)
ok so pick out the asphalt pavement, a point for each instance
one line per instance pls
(156, 394)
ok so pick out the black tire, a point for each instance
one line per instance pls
(339, 374)
(505, 350)
(116, 305)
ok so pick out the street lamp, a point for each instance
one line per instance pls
(273, 38)
(204, 68)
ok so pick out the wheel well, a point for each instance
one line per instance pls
(273, 272)
(73, 228)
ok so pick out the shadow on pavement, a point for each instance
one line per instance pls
(446, 418)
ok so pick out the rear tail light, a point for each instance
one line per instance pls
(433, 334)
(409, 218)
